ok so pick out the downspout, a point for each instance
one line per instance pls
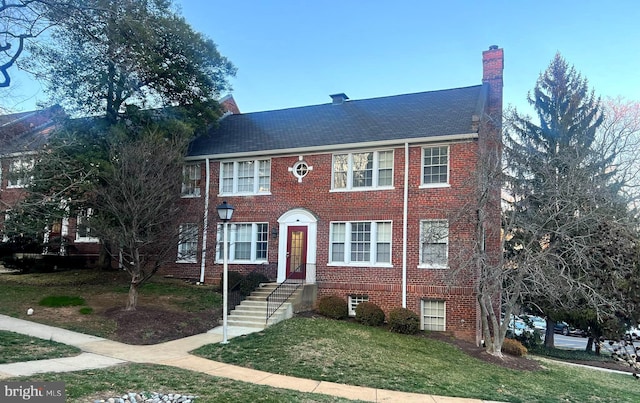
(205, 221)
(405, 213)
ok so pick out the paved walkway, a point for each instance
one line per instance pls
(102, 353)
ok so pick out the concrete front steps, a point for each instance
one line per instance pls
(252, 312)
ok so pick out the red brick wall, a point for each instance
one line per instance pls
(382, 285)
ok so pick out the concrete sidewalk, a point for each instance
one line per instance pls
(101, 353)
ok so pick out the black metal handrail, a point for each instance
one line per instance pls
(283, 291)
(235, 296)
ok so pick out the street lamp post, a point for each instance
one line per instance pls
(225, 211)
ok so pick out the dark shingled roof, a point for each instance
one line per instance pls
(26, 131)
(400, 117)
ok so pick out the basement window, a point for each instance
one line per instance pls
(354, 300)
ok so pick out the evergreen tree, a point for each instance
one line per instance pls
(563, 196)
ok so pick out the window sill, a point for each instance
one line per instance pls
(87, 240)
(219, 261)
(432, 267)
(362, 189)
(190, 196)
(186, 261)
(244, 194)
(363, 265)
(435, 186)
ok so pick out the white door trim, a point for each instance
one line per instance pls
(304, 218)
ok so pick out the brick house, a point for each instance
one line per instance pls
(372, 200)
(21, 136)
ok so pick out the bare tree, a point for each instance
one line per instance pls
(619, 135)
(137, 204)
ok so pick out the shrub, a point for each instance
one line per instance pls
(251, 282)
(513, 347)
(333, 306)
(404, 321)
(530, 339)
(369, 314)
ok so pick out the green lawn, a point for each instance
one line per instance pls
(17, 347)
(318, 348)
(92, 385)
(94, 292)
(350, 353)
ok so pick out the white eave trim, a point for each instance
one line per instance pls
(336, 147)
(18, 154)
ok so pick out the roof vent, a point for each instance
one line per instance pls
(338, 99)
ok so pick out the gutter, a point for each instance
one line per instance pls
(405, 214)
(205, 221)
(337, 147)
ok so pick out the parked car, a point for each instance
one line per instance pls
(565, 329)
(561, 328)
(517, 327)
(536, 322)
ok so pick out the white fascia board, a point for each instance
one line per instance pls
(18, 154)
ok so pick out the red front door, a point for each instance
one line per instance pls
(296, 252)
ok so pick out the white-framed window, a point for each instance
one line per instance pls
(83, 227)
(353, 302)
(191, 176)
(435, 166)
(360, 243)
(434, 244)
(248, 242)
(363, 170)
(433, 315)
(245, 177)
(19, 172)
(187, 243)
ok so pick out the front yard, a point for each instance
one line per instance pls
(309, 347)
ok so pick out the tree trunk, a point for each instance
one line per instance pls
(492, 339)
(132, 300)
(589, 347)
(549, 341)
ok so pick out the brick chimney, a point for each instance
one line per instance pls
(492, 68)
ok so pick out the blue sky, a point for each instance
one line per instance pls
(294, 53)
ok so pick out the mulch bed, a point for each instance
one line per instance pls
(148, 325)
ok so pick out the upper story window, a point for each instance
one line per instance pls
(435, 166)
(191, 176)
(247, 242)
(434, 243)
(83, 229)
(361, 243)
(19, 173)
(366, 170)
(245, 177)
(188, 243)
